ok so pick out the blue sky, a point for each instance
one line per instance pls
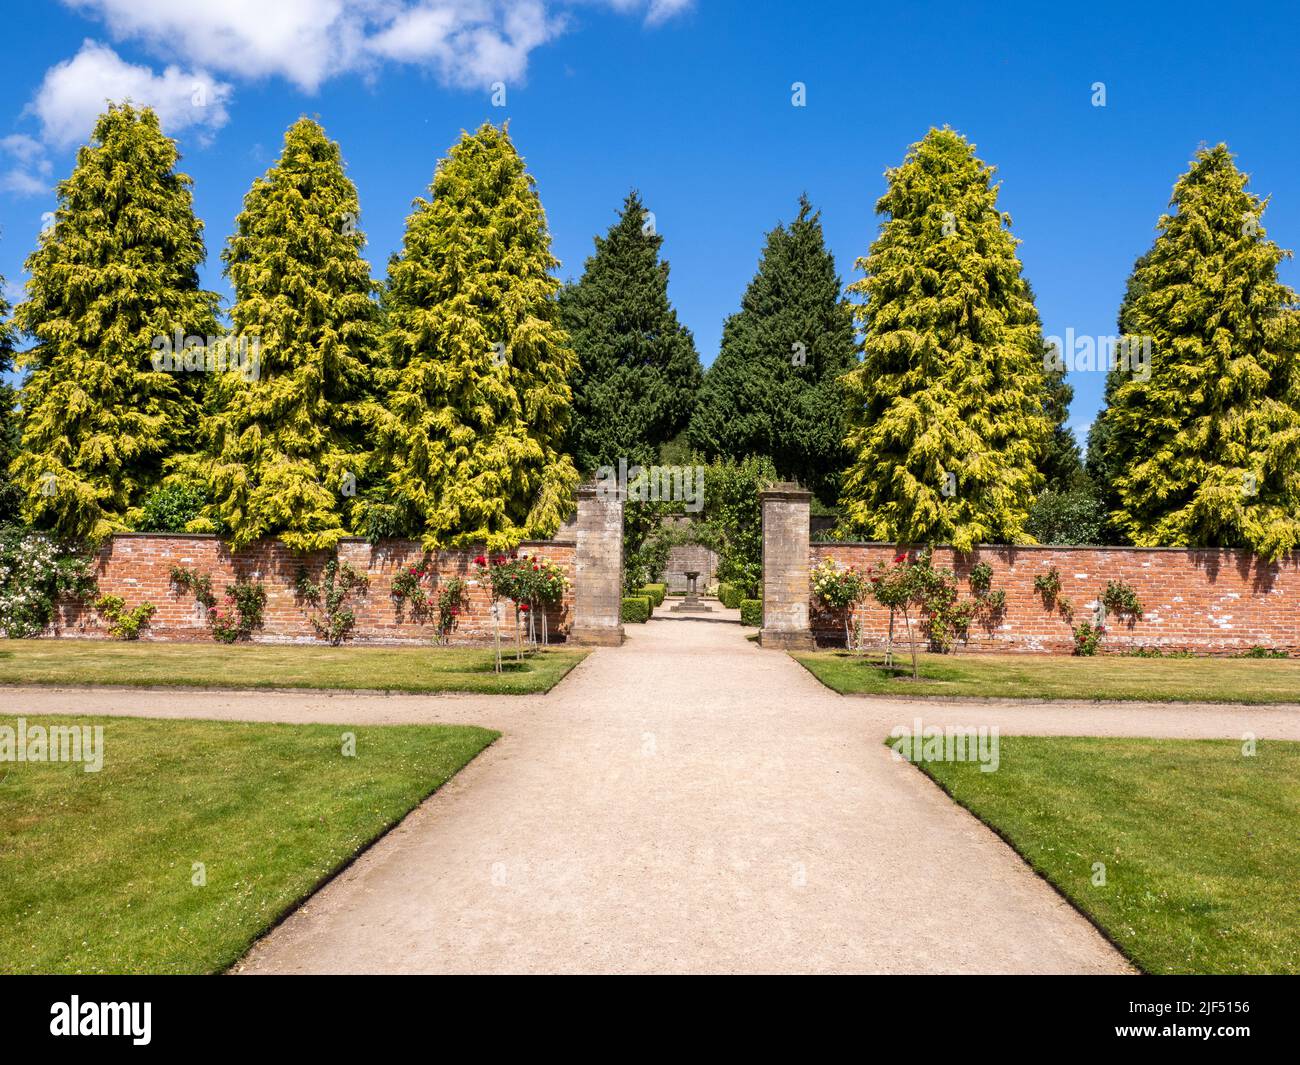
(691, 103)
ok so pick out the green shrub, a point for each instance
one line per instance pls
(330, 595)
(170, 507)
(636, 609)
(1086, 638)
(729, 595)
(751, 612)
(35, 573)
(1261, 652)
(1120, 598)
(656, 592)
(123, 624)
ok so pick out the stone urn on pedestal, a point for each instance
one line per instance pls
(691, 604)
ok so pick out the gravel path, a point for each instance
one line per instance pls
(684, 803)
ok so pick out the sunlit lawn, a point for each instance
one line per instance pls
(1238, 680)
(1197, 842)
(97, 870)
(410, 669)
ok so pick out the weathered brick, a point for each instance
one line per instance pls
(1206, 601)
(137, 566)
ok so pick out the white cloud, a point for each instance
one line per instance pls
(26, 150)
(463, 47)
(30, 174)
(75, 91)
(662, 10)
(466, 43)
(301, 40)
(22, 182)
(307, 42)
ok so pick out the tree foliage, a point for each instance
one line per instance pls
(949, 424)
(1205, 449)
(476, 406)
(10, 426)
(117, 271)
(1104, 461)
(733, 518)
(774, 388)
(285, 443)
(1069, 514)
(637, 371)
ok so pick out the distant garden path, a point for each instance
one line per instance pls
(687, 802)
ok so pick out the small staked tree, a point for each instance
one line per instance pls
(115, 276)
(470, 431)
(948, 405)
(1204, 449)
(285, 444)
(895, 587)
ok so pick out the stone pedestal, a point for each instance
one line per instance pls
(786, 510)
(691, 604)
(598, 568)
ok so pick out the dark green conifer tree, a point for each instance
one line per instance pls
(637, 370)
(774, 388)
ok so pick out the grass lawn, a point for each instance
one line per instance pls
(1233, 680)
(96, 869)
(247, 665)
(1198, 842)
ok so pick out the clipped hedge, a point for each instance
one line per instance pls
(636, 609)
(751, 612)
(655, 592)
(729, 595)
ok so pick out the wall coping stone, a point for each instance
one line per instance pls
(1054, 547)
(481, 548)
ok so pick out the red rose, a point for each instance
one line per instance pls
(480, 561)
(899, 558)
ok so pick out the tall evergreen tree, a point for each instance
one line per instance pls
(10, 429)
(1062, 461)
(1207, 447)
(285, 442)
(637, 373)
(949, 424)
(1105, 457)
(117, 272)
(774, 388)
(471, 429)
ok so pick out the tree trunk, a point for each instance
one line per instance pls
(911, 641)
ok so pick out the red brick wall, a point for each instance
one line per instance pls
(1207, 601)
(137, 567)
